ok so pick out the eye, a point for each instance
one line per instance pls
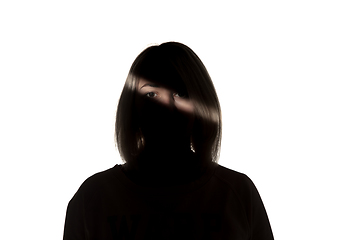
(151, 94)
(180, 95)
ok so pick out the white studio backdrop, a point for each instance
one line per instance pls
(286, 73)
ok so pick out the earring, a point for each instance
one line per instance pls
(191, 145)
(140, 139)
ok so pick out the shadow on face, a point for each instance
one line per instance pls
(166, 116)
(165, 95)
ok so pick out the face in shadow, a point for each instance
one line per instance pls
(166, 118)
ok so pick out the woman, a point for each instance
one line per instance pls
(168, 132)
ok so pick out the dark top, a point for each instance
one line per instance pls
(219, 204)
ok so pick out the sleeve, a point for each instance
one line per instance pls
(258, 219)
(75, 224)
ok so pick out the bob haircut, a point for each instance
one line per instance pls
(171, 63)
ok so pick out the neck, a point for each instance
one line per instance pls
(161, 170)
(157, 158)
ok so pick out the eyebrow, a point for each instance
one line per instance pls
(150, 85)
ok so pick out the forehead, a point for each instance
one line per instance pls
(143, 81)
(171, 85)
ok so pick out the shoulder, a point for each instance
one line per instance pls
(237, 181)
(100, 177)
(247, 194)
(96, 182)
(231, 176)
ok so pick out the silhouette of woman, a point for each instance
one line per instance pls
(168, 132)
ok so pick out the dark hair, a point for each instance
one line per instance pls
(175, 61)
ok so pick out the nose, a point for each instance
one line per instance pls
(168, 100)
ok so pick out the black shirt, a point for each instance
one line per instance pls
(219, 204)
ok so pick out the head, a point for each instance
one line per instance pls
(168, 102)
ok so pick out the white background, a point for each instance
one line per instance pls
(286, 73)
